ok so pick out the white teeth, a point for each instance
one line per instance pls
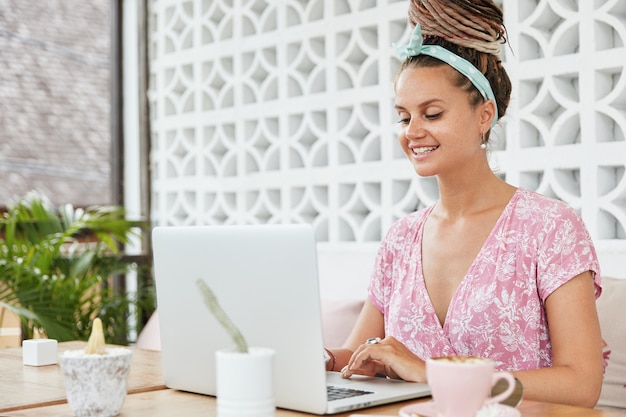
(420, 151)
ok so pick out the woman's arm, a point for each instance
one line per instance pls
(370, 323)
(577, 368)
(388, 357)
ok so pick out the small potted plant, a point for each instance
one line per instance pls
(96, 377)
(243, 374)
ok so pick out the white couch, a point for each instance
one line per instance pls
(612, 313)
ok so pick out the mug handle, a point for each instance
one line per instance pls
(507, 392)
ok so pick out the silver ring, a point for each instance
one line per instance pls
(372, 341)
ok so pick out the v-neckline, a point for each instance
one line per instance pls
(454, 300)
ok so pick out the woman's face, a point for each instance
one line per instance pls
(440, 132)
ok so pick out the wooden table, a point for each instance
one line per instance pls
(167, 403)
(38, 391)
(34, 386)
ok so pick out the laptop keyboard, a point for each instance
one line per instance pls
(337, 393)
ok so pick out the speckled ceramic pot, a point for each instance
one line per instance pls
(95, 385)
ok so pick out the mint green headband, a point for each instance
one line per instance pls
(462, 65)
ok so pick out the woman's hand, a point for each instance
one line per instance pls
(386, 357)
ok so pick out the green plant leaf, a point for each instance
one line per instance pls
(214, 306)
(56, 264)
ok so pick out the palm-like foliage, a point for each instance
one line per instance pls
(55, 267)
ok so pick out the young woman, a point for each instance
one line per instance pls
(489, 270)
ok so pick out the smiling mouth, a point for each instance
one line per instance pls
(422, 151)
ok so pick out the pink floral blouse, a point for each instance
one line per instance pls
(498, 311)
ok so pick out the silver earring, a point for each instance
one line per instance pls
(483, 142)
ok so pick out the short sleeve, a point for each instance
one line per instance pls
(391, 264)
(565, 250)
(380, 281)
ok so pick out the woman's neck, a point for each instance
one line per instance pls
(471, 197)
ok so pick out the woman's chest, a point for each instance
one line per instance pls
(448, 253)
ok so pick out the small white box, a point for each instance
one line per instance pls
(39, 352)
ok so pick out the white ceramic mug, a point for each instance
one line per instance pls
(244, 383)
(460, 385)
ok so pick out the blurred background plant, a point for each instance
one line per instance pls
(57, 267)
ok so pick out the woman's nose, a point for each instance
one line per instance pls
(414, 129)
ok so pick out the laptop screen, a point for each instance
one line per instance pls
(265, 278)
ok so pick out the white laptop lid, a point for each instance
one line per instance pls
(265, 278)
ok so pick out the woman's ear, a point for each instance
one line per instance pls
(487, 113)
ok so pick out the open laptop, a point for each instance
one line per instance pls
(265, 278)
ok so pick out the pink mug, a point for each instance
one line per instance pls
(460, 385)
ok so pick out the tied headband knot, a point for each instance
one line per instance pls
(415, 47)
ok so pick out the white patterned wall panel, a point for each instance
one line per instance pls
(268, 111)
(566, 132)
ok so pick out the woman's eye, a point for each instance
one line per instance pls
(403, 120)
(433, 116)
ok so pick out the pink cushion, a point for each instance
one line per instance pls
(338, 318)
(150, 336)
(612, 313)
